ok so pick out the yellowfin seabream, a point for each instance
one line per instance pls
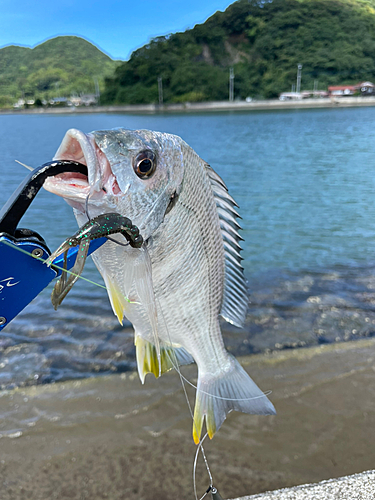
(188, 271)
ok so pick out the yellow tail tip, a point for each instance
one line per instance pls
(197, 428)
(196, 435)
(199, 418)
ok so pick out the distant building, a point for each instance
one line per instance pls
(306, 94)
(362, 88)
(366, 88)
(75, 100)
(19, 104)
(342, 90)
(289, 96)
(59, 101)
(88, 99)
(84, 100)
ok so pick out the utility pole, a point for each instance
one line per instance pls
(97, 90)
(299, 67)
(160, 89)
(231, 84)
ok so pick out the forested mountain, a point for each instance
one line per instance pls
(59, 66)
(264, 41)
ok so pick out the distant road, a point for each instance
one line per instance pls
(214, 106)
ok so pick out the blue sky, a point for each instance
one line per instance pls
(116, 27)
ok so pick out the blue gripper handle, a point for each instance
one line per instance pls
(23, 273)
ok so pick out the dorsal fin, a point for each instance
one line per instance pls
(235, 299)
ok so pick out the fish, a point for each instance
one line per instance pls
(188, 271)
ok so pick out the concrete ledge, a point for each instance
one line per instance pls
(204, 107)
(356, 487)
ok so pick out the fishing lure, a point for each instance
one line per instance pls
(101, 226)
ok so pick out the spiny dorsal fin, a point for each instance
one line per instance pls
(235, 299)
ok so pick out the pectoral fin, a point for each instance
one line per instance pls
(119, 303)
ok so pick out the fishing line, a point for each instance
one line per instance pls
(62, 269)
(26, 166)
(87, 205)
(265, 394)
(89, 218)
(152, 208)
(182, 378)
(143, 223)
(176, 367)
(200, 445)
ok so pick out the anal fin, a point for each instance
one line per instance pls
(148, 361)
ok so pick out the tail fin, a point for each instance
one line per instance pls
(233, 389)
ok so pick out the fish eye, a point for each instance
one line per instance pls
(145, 164)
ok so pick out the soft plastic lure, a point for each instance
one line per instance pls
(101, 226)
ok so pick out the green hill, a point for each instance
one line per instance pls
(263, 40)
(58, 67)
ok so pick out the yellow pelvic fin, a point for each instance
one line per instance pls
(147, 358)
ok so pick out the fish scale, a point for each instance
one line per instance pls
(195, 249)
(188, 271)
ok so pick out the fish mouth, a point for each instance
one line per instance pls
(75, 187)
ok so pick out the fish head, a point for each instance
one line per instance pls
(137, 173)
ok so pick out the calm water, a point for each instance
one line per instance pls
(305, 184)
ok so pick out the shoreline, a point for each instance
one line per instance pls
(111, 437)
(204, 107)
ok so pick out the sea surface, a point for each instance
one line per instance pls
(305, 184)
